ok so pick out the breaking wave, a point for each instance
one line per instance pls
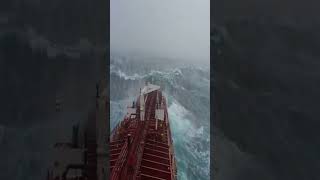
(190, 144)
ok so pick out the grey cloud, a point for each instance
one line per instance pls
(177, 29)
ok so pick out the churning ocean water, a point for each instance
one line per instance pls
(188, 93)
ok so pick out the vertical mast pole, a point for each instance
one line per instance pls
(102, 124)
(141, 106)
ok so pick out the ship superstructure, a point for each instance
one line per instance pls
(141, 144)
(86, 156)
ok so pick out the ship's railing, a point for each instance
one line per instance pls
(141, 142)
(119, 164)
(120, 170)
(128, 157)
(137, 151)
(140, 153)
(116, 129)
(116, 172)
(132, 155)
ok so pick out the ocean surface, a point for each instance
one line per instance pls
(187, 88)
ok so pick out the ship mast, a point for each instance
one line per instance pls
(142, 106)
(102, 111)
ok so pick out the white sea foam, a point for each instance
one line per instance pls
(191, 143)
(165, 74)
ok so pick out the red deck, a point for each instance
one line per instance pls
(143, 150)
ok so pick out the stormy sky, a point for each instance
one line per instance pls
(178, 29)
(303, 12)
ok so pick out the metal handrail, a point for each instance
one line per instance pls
(139, 151)
(134, 152)
(121, 159)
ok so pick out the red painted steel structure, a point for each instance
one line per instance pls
(140, 145)
(142, 149)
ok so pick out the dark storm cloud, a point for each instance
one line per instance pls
(305, 12)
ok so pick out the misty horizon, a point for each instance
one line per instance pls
(175, 29)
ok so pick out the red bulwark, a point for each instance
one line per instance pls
(142, 149)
